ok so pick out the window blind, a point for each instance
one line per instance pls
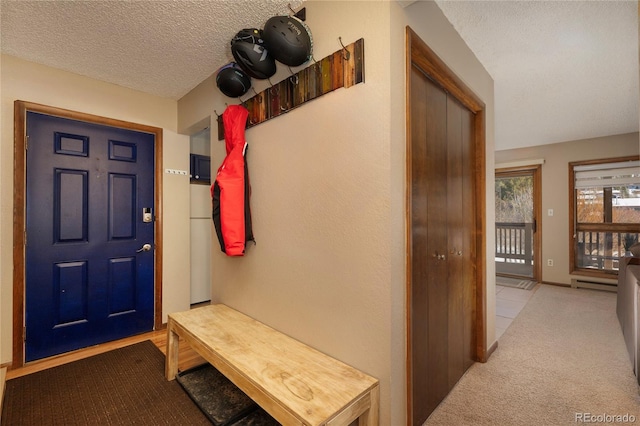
(607, 174)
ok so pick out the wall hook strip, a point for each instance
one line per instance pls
(347, 55)
(332, 72)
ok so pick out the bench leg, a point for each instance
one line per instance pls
(371, 416)
(171, 361)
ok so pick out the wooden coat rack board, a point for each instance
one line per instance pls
(343, 68)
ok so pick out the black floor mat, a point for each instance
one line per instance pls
(220, 400)
(257, 418)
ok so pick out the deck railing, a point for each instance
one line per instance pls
(514, 242)
(600, 250)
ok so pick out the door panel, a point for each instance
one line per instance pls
(85, 281)
(429, 235)
(419, 227)
(468, 257)
(454, 243)
(122, 196)
(437, 219)
(70, 284)
(460, 231)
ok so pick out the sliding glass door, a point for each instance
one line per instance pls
(516, 225)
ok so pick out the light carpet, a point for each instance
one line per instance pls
(562, 359)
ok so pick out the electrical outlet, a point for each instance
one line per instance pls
(549, 262)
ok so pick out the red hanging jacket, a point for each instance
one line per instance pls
(231, 191)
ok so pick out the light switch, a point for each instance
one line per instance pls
(550, 212)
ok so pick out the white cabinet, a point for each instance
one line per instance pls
(201, 234)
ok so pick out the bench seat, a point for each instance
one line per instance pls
(294, 383)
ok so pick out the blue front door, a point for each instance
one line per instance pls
(87, 279)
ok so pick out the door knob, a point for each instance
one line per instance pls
(145, 247)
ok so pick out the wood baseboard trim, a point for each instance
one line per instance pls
(556, 284)
(490, 351)
(3, 381)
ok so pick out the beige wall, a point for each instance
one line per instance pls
(36, 83)
(555, 190)
(3, 359)
(328, 191)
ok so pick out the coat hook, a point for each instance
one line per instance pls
(226, 105)
(347, 54)
(256, 94)
(272, 88)
(216, 113)
(315, 65)
(293, 78)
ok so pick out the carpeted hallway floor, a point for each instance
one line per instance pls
(509, 302)
(561, 360)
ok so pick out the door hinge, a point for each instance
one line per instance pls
(26, 143)
(24, 334)
(25, 238)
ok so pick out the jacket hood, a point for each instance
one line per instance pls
(234, 119)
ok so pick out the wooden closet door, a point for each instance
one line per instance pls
(455, 242)
(429, 233)
(442, 224)
(459, 232)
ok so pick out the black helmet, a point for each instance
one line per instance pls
(250, 54)
(288, 40)
(232, 81)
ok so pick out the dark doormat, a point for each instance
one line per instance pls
(521, 283)
(125, 386)
(220, 400)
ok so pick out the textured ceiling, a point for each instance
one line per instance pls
(161, 47)
(563, 70)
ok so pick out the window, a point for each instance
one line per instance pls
(605, 208)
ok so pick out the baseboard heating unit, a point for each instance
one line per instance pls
(594, 285)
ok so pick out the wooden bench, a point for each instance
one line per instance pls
(294, 383)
